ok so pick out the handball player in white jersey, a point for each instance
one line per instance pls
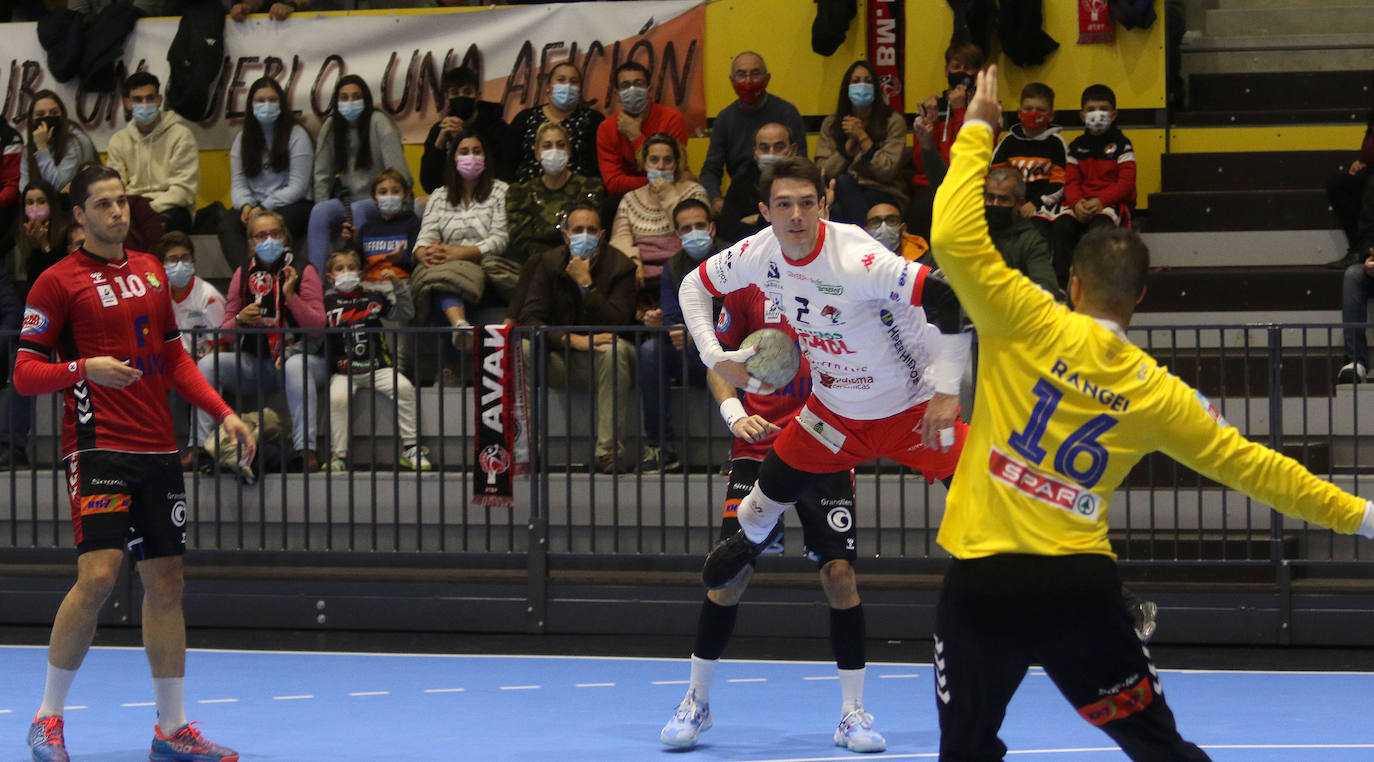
(885, 339)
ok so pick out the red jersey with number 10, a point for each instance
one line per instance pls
(84, 307)
(744, 312)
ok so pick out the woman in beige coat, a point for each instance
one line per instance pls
(860, 148)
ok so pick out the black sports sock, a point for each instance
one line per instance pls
(714, 628)
(847, 637)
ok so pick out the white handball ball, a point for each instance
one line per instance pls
(777, 359)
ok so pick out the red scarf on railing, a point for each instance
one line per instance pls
(501, 446)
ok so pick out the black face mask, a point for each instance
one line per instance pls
(961, 78)
(462, 107)
(999, 217)
(53, 122)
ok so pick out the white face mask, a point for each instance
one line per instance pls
(554, 160)
(888, 235)
(346, 282)
(1097, 122)
(766, 160)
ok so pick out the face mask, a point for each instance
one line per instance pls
(634, 99)
(462, 107)
(389, 204)
(53, 122)
(145, 113)
(566, 96)
(347, 282)
(266, 113)
(888, 235)
(697, 243)
(1034, 121)
(582, 244)
(750, 93)
(179, 273)
(270, 250)
(37, 212)
(766, 160)
(351, 110)
(470, 167)
(999, 217)
(960, 78)
(1097, 122)
(861, 94)
(666, 175)
(554, 160)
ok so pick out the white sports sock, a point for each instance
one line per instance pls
(851, 689)
(55, 688)
(703, 672)
(171, 707)
(758, 514)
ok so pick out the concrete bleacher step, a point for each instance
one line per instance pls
(1245, 248)
(1247, 170)
(1232, 5)
(1276, 91)
(1297, 18)
(1248, 58)
(1197, 289)
(1261, 118)
(1197, 211)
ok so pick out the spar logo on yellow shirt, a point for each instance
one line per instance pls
(1042, 487)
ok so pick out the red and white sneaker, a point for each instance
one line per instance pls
(188, 745)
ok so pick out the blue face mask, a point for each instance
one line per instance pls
(697, 243)
(666, 175)
(566, 96)
(145, 113)
(582, 244)
(389, 204)
(270, 250)
(266, 114)
(179, 273)
(351, 110)
(861, 94)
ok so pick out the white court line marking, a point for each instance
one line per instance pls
(292, 698)
(1290, 746)
(370, 693)
(747, 680)
(823, 677)
(521, 687)
(1084, 750)
(445, 690)
(78, 706)
(897, 677)
(6, 711)
(671, 682)
(218, 701)
(141, 703)
(595, 685)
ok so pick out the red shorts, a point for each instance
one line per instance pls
(819, 442)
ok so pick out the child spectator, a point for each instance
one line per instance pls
(199, 306)
(387, 243)
(1037, 150)
(1099, 180)
(361, 358)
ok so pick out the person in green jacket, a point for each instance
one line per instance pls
(1021, 245)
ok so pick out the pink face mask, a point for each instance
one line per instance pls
(471, 166)
(37, 212)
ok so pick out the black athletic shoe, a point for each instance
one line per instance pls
(730, 557)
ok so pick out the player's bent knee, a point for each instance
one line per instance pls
(839, 583)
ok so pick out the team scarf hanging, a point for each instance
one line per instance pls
(501, 447)
(886, 44)
(1095, 22)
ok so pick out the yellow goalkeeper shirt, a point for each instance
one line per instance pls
(1065, 406)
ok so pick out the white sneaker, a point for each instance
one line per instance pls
(856, 733)
(415, 458)
(1352, 373)
(689, 722)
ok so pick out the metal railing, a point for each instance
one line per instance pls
(1273, 382)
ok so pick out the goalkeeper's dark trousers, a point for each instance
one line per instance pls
(1000, 614)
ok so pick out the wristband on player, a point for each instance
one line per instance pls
(732, 410)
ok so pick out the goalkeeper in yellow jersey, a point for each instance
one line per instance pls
(1065, 406)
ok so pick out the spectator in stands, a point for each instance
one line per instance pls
(275, 290)
(564, 107)
(279, 10)
(643, 228)
(587, 282)
(618, 140)
(672, 358)
(41, 241)
(199, 309)
(1099, 179)
(55, 147)
(362, 360)
(860, 148)
(1020, 244)
(156, 154)
(11, 205)
(937, 124)
(387, 241)
(884, 222)
(465, 113)
(462, 239)
(739, 214)
(535, 208)
(1352, 202)
(11, 317)
(1355, 293)
(269, 167)
(1037, 149)
(355, 142)
(734, 132)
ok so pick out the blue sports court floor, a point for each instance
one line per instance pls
(346, 707)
